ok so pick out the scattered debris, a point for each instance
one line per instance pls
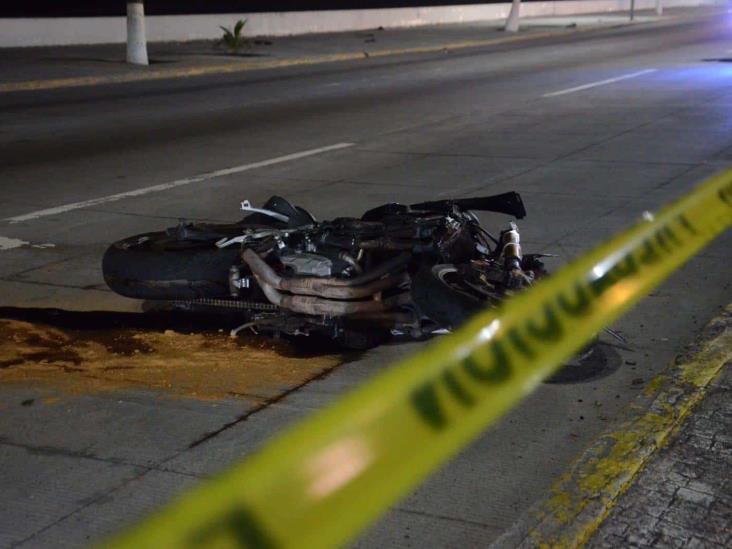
(617, 335)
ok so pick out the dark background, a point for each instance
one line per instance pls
(88, 8)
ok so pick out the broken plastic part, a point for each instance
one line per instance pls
(509, 203)
(247, 207)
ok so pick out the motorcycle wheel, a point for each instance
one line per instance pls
(441, 300)
(158, 266)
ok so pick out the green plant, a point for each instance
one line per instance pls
(233, 39)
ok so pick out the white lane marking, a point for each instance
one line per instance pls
(10, 243)
(173, 184)
(600, 83)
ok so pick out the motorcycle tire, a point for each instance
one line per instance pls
(157, 266)
(440, 301)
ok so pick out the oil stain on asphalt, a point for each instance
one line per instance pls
(179, 354)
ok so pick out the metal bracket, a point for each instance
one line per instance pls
(247, 207)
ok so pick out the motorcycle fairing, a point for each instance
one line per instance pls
(509, 203)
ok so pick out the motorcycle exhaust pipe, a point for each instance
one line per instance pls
(310, 305)
(323, 287)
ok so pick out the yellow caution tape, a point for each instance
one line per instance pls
(324, 480)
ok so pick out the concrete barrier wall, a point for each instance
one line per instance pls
(22, 32)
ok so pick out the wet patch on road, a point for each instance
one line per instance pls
(594, 362)
(186, 355)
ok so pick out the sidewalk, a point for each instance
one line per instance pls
(659, 479)
(683, 498)
(23, 69)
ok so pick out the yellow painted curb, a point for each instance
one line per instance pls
(583, 497)
(236, 67)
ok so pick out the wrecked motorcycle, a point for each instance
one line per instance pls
(399, 269)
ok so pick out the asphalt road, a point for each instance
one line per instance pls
(591, 129)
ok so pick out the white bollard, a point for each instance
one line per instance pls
(512, 23)
(136, 41)
(659, 7)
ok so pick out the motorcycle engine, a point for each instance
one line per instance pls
(306, 264)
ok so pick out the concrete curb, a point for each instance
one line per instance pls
(580, 500)
(236, 67)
